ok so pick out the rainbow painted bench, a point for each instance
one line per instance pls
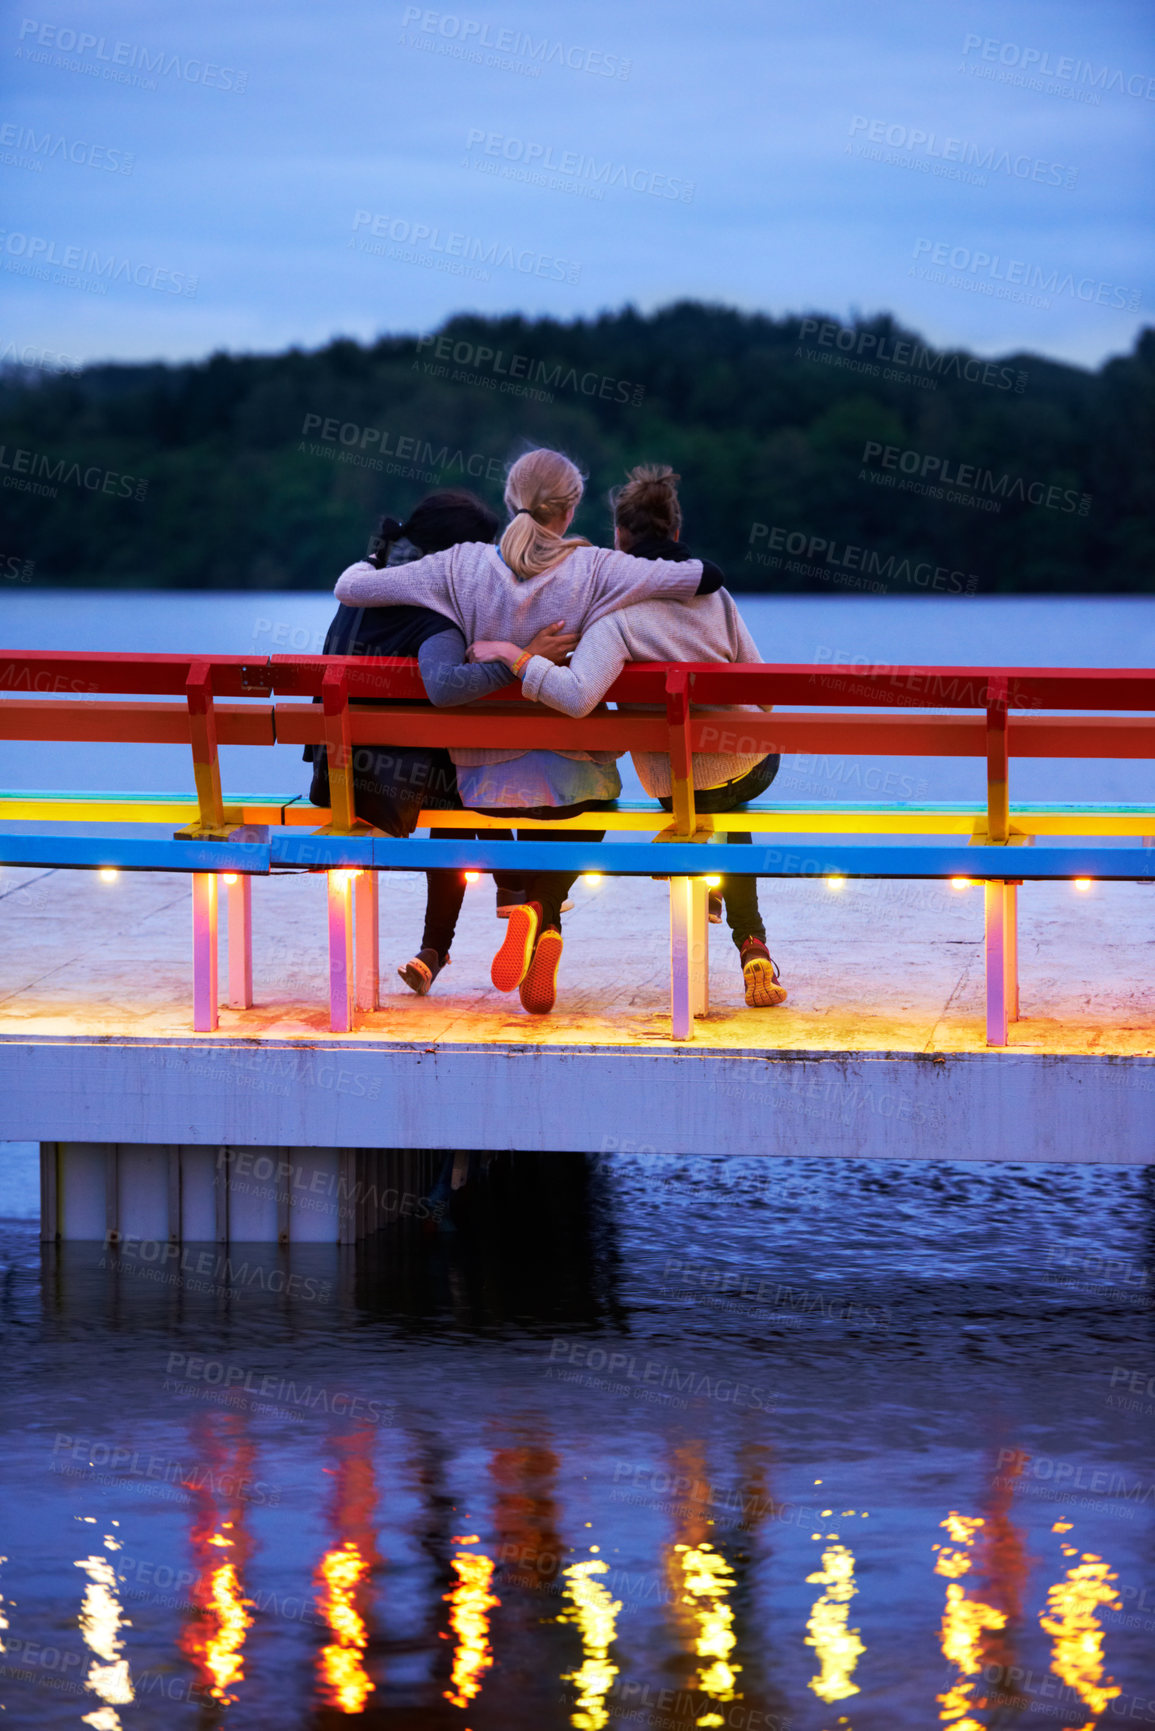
(209, 702)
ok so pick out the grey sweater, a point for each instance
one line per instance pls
(707, 628)
(472, 584)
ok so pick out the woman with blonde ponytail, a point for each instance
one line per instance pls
(538, 577)
(543, 491)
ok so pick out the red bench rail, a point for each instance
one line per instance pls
(51, 696)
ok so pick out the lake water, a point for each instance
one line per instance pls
(651, 1442)
(633, 1442)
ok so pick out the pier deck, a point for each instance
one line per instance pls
(880, 1049)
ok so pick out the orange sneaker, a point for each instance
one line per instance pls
(511, 963)
(760, 977)
(539, 987)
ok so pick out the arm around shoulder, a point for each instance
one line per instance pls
(422, 582)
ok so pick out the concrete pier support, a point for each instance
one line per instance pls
(162, 1193)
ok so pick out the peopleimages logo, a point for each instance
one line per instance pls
(37, 254)
(473, 34)
(120, 61)
(988, 159)
(1019, 274)
(537, 158)
(454, 251)
(1066, 67)
(942, 473)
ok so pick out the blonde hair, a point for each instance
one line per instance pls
(541, 486)
(647, 503)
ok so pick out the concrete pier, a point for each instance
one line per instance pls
(879, 1051)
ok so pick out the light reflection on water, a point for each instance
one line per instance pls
(945, 1519)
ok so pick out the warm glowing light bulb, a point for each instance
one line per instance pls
(960, 883)
(231, 877)
(593, 879)
(712, 883)
(108, 874)
(472, 877)
(835, 882)
(1082, 883)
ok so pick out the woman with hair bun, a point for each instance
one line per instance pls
(648, 523)
(539, 576)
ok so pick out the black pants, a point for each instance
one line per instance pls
(740, 894)
(548, 889)
(445, 889)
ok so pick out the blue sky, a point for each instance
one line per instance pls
(249, 177)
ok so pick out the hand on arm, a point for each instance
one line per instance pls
(553, 642)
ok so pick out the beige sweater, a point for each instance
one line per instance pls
(707, 628)
(472, 584)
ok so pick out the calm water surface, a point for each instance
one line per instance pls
(648, 1441)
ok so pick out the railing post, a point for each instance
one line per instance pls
(339, 751)
(998, 764)
(204, 907)
(681, 959)
(340, 951)
(239, 900)
(1011, 948)
(699, 946)
(681, 757)
(366, 942)
(685, 952)
(203, 736)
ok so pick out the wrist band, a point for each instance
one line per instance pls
(521, 662)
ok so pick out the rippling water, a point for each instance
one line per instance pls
(651, 1442)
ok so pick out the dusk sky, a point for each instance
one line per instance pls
(243, 178)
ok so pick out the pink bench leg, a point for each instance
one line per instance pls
(682, 989)
(340, 897)
(996, 947)
(239, 897)
(1011, 934)
(366, 941)
(204, 911)
(700, 946)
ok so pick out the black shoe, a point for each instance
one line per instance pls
(420, 973)
(507, 899)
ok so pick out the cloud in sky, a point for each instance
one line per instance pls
(250, 177)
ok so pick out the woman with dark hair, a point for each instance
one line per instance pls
(391, 784)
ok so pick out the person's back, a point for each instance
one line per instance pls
(648, 521)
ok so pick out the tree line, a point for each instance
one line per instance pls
(815, 455)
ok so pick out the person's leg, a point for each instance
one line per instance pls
(444, 893)
(740, 893)
(548, 891)
(540, 914)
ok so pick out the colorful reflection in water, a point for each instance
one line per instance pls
(470, 1603)
(101, 1620)
(1076, 1634)
(226, 1620)
(707, 1579)
(595, 1612)
(343, 1577)
(837, 1646)
(345, 1682)
(214, 1637)
(967, 1623)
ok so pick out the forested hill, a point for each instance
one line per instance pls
(814, 456)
